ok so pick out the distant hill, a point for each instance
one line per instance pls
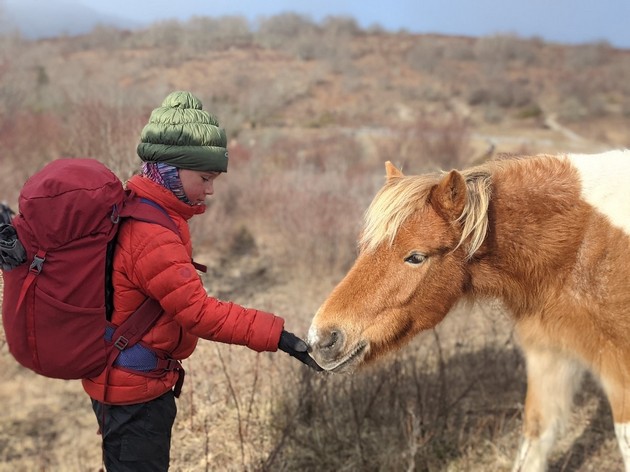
(35, 19)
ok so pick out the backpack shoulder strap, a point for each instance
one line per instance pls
(140, 321)
(129, 333)
(145, 316)
(143, 209)
(135, 326)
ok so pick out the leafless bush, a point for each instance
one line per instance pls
(418, 411)
(451, 400)
(282, 30)
(429, 142)
(204, 33)
(460, 50)
(262, 99)
(585, 95)
(334, 46)
(299, 36)
(507, 48)
(425, 54)
(289, 195)
(101, 37)
(582, 57)
(106, 132)
(338, 26)
(25, 155)
(505, 93)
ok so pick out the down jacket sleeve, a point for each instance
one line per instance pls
(161, 266)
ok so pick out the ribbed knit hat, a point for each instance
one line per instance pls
(182, 134)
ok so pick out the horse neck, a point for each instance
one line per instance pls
(535, 228)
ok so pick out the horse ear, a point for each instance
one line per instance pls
(448, 196)
(392, 171)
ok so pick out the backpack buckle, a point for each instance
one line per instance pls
(115, 216)
(168, 364)
(37, 264)
(172, 364)
(121, 343)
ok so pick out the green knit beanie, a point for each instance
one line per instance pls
(182, 134)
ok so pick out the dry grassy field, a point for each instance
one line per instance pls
(312, 113)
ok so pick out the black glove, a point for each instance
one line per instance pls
(297, 348)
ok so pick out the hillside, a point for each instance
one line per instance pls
(33, 19)
(312, 112)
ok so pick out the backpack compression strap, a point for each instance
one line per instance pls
(33, 271)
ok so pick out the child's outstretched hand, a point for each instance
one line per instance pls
(297, 348)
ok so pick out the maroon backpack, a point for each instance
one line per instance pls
(54, 307)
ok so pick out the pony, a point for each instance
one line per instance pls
(546, 235)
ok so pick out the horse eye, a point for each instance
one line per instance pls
(415, 259)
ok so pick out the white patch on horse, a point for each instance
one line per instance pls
(622, 430)
(311, 337)
(604, 179)
(554, 378)
(532, 455)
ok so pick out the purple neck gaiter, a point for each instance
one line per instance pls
(167, 176)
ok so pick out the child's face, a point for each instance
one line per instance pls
(197, 185)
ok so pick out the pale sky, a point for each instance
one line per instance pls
(562, 21)
(567, 21)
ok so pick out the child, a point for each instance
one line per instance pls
(183, 150)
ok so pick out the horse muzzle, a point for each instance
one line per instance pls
(332, 350)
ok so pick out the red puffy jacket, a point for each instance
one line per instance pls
(151, 260)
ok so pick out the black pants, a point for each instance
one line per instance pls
(137, 438)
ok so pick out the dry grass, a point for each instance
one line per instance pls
(451, 400)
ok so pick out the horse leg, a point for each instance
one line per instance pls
(552, 379)
(622, 430)
(618, 392)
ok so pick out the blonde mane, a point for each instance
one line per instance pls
(401, 197)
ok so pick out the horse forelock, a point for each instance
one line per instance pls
(397, 200)
(401, 197)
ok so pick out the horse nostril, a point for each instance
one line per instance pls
(333, 338)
